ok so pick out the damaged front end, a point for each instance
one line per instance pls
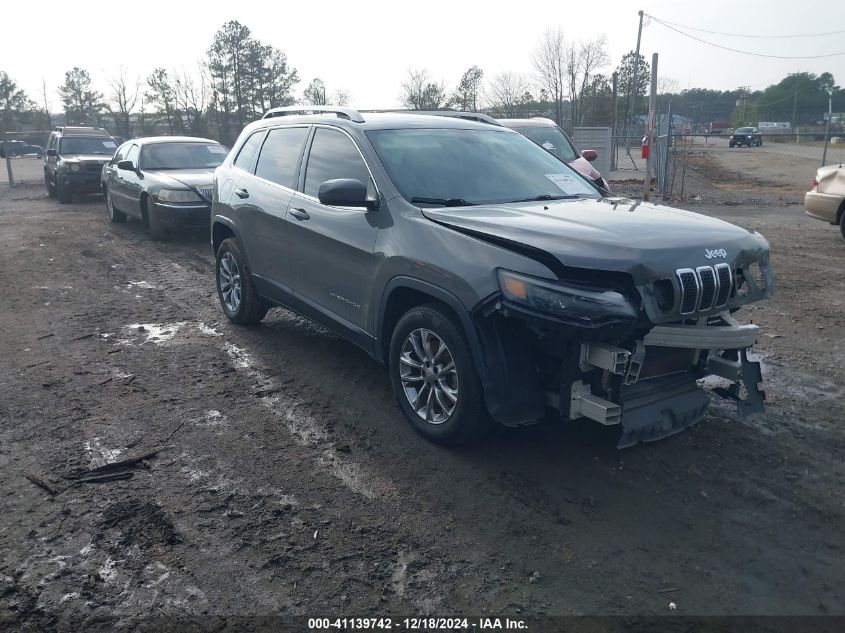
(621, 351)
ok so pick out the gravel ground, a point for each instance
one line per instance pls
(285, 481)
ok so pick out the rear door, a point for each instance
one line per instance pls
(261, 197)
(331, 248)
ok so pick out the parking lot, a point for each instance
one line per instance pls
(281, 477)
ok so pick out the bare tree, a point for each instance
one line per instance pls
(315, 93)
(124, 96)
(341, 97)
(420, 92)
(47, 118)
(582, 61)
(549, 61)
(508, 94)
(190, 96)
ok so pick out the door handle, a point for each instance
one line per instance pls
(300, 214)
(242, 193)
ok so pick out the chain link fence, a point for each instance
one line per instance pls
(694, 167)
(22, 157)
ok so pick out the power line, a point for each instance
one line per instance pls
(692, 28)
(736, 50)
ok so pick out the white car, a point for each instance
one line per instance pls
(826, 200)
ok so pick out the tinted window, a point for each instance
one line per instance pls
(182, 155)
(333, 155)
(446, 166)
(132, 155)
(87, 145)
(280, 155)
(120, 154)
(551, 139)
(248, 151)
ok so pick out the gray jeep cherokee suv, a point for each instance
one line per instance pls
(493, 281)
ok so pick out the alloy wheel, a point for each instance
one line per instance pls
(429, 376)
(229, 280)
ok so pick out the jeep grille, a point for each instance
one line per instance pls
(704, 288)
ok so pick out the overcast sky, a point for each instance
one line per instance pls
(367, 46)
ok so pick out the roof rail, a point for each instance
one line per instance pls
(344, 113)
(469, 116)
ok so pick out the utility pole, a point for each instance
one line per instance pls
(652, 106)
(631, 84)
(613, 141)
(827, 127)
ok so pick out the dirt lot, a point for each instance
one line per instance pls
(287, 482)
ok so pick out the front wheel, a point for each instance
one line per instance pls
(238, 298)
(434, 377)
(63, 193)
(51, 189)
(842, 223)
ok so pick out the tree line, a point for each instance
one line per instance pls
(572, 82)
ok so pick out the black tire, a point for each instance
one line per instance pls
(63, 194)
(51, 189)
(250, 309)
(117, 217)
(842, 222)
(157, 230)
(469, 418)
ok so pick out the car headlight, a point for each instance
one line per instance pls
(178, 195)
(569, 302)
(73, 166)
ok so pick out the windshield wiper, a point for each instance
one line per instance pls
(446, 202)
(548, 196)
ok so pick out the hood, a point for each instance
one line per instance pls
(185, 177)
(585, 168)
(645, 240)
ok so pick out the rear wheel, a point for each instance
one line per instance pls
(238, 298)
(114, 215)
(51, 189)
(434, 377)
(842, 221)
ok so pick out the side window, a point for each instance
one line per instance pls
(120, 154)
(280, 155)
(248, 151)
(333, 155)
(132, 155)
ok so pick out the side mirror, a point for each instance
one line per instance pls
(126, 165)
(589, 154)
(344, 192)
(52, 152)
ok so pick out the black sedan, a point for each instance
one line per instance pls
(748, 136)
(165, 181)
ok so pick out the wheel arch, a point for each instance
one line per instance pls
(403, 293)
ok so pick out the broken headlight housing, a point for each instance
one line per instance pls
(569, 302)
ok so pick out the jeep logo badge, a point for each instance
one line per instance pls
(715, 253)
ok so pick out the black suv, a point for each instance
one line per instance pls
(748, 136)
(491, 279)
(74, 159)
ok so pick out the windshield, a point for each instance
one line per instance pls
(452, 167)
(744, 130)
(182, 155)
(552, 139)
(87, 145)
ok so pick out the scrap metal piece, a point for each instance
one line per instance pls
(750, 378)
(583, 403)
(604, 356)
(703, 336)
(635, 365)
